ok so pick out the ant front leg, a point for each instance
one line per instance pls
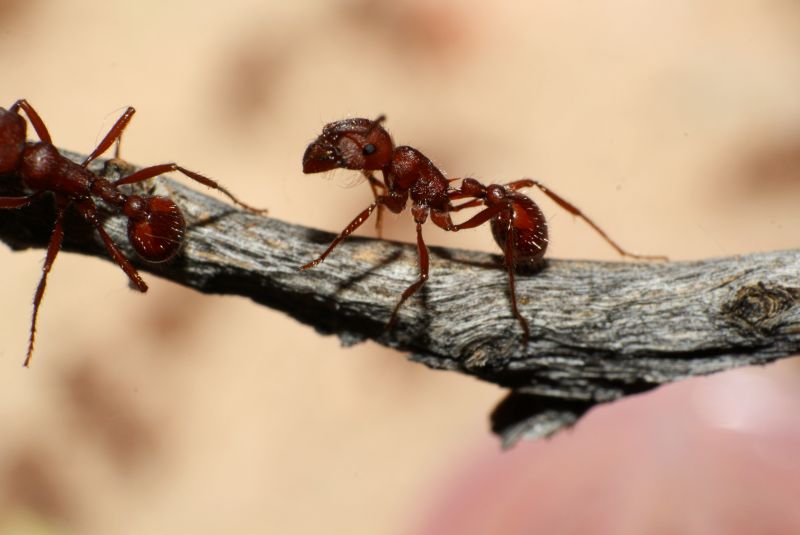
(348, 230)
(569, 207)
(156, 170)
(374, 185)
(395, 203)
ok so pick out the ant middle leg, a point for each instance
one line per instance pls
(114, 135)
(375, 185)
(156, 170)
(424, 261)
(33, 117)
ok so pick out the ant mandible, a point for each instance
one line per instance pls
(518, 224)
(156, 226)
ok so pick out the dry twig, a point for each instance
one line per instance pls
(599, 330)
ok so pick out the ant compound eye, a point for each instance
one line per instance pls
(368, 149)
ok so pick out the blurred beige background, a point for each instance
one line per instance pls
(675, 125)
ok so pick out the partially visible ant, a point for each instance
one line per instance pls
(156, 226)
(517, 223)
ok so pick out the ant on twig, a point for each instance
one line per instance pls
(156, 226)
(517, 223)
(365, 145)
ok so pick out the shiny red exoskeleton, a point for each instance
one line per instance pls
(518, 224)
(156, 225)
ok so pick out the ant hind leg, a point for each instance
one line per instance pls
(56, 239)
(156, 170)
(574, 210)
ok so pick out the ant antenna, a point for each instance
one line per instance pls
(378, 120)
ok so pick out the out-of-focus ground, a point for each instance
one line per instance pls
(675, 125)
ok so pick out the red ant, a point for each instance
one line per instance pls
(365, 145)
(156, 226)
(517, 223)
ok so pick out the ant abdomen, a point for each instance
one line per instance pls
(526, 224)
(156, 227)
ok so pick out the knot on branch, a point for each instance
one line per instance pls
(760, 308)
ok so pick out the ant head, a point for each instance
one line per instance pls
(13, 131)
(350, 144)
(155, 227)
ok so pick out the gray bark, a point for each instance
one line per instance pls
(599, 330)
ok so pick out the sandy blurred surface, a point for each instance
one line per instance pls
(676, 126)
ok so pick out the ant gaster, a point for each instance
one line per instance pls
(518, 224)
(156, 226)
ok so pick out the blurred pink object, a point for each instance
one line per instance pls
(711, 455)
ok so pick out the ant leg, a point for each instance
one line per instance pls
(422, 251)
(512, 288)
(33, 117)
(150, 172)
(56, 238)
(481, 217)
(18, 202)
(89, 212)
(469, 204)
(349, 229)
(519, 184)
(113, 135)
(576, 212)
(374, 184)
(117, 147)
